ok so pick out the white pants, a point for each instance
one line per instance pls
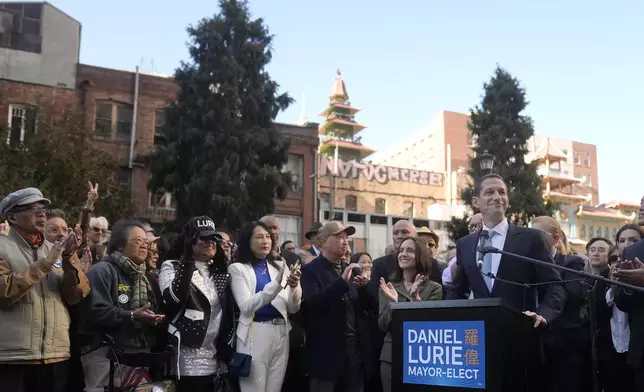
(270, 356)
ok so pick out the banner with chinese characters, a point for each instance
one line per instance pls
(444, 353)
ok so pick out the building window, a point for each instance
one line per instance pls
(351, 203)
(577, 158)
(607, 233)
(20, 26)
(471, 139)
(614, 233)
(295, 166)
(159, 125)
(582, 232)
(599, 232)
(161, 199)
(592, 231)
(586, 159)
(381, 206)
(113, 120)
(408, 208)
(22, 123)
(565, 151)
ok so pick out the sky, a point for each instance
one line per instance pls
(581, 62)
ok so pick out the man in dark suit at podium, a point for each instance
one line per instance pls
(491, 199)
(517, 283)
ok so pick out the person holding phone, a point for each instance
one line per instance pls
(38, 281)
(122, 305)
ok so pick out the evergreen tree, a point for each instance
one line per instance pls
(223, 156)
(59, 157)
(500, 129)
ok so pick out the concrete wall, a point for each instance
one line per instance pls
(56, 65)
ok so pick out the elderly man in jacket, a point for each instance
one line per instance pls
(37, 282)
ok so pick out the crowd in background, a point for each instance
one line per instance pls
(82, 301)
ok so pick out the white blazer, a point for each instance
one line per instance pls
(243, 284)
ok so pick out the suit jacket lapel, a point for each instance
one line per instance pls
(512, 245)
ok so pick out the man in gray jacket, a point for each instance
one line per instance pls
(37, 282)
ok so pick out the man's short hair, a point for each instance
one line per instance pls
(56, 213)
(596, 239)
(478, 184)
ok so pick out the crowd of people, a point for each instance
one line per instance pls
(85, 306)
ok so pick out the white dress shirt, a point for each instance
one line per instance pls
(619, 328)
(447, 272)
(497, 241)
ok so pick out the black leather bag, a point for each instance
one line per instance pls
(239, 365)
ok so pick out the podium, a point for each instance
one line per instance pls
(464, 345)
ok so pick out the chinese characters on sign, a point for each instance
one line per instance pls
(444, 353)
(382, 174)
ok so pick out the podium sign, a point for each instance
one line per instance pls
(444, 353)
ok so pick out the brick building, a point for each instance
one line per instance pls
(39, 66)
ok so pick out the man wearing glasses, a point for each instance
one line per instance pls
(34, 294)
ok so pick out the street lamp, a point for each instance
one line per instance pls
(486, 162)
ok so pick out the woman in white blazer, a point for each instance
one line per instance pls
(266, 293)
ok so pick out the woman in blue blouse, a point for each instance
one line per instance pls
(266, 292)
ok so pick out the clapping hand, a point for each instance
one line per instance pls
(54, 254)
(388, 290)
(146, 316)
(418, 281)
(631, 272)
(346, 274)
(72, 242)
(294, 277)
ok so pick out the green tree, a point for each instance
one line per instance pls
(223, 156)
(499, 127)
(57, 155)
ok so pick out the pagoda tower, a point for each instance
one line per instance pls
(340, 128)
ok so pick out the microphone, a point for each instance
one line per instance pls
(484, 236)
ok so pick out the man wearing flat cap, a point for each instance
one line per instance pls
(338, 344)
(37, 282)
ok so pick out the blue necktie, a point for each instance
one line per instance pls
(487, 263)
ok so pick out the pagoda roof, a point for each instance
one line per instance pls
(331, 143)
(341, 121)
(567, 196)
(352, 109)
(620, 204)
(548, 151)
(339, 89)
(560, 179)
(606, 213)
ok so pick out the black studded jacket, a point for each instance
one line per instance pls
(186, 292)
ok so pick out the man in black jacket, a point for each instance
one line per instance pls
(337, 334)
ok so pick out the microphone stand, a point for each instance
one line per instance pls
(592, 298)
(491, 249)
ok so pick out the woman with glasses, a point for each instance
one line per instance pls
(196, 290)
(567, 340)
(97, 230)
(122, 305)
(265, 295)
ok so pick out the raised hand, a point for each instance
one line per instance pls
(92, 195)
(388, 290)
(418, 281)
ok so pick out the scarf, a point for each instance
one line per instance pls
(141, 287)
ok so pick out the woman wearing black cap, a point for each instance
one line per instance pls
(195, 287)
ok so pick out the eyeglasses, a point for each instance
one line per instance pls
(33, 209)
(99, 230)
(210, 239)
(139, 241)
